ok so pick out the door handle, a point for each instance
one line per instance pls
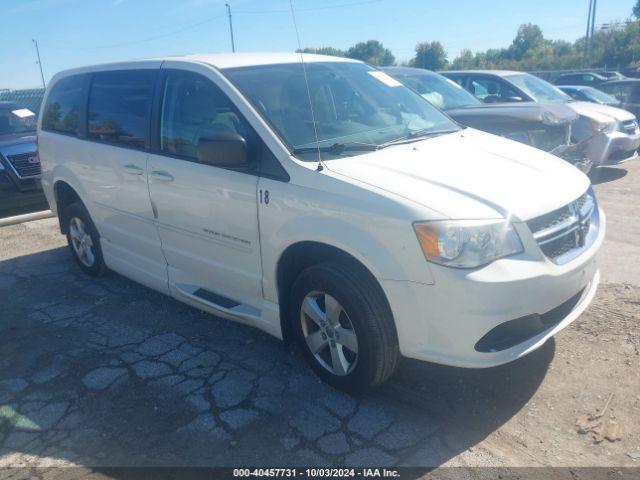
(162, 175)
(133, 169)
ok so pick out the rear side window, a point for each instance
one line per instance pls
(62, 110)
(119, 107)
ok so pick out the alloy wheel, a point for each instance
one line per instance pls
(81, 242)
(329, 333)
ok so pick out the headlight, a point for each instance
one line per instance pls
(467, 243)
(604, 127)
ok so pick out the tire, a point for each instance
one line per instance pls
(363, 313)
(84, 240)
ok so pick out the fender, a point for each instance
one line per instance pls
(343, 235)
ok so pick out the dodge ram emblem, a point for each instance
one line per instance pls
(32, 160)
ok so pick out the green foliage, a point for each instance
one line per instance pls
(618, 47)
(372, 52)
(334, 52)
(431, 56)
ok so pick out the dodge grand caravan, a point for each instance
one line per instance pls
(320, 201)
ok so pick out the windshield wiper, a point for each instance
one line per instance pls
(338, 148)
(416, 135)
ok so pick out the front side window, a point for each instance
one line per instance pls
(61, 112)
(490, 90)
(193, 107)
(538, 89)
(119, 104)
(355, 107)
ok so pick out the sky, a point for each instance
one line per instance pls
(73, 33)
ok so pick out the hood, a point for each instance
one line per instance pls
(469, 175)
(12, 139)
(601, 113)
(529, 112)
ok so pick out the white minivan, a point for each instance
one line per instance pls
(318, 199)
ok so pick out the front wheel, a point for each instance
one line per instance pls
(83, 239)
(344, 326)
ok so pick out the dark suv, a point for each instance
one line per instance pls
(20, 190)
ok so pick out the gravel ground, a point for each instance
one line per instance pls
(108, 373)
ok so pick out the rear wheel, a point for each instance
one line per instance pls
(83, 239)
(344, 326)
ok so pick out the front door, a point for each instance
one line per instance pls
(206, 215)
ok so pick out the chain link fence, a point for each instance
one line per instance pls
(30, 98)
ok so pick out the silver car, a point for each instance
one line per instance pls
(610, 134)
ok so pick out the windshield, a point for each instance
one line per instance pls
(600, 97)
(439, 91)
(16, 120)
(538, 89)
(353, 104)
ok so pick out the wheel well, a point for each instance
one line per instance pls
(297, 258)
(65, 195)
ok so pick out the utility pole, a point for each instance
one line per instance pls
(39, 62)
(593, 18)
(591, 24)
(233, 45)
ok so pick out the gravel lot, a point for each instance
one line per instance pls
(109, 373)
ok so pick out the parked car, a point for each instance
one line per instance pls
(615, 132)
(323, 202)
(613, 75)
(591, 79)
(589, 94)
(20, 190)
(547, 127)
(627, 92)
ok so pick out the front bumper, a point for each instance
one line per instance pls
(612, 148)
(16, 201)
(444, 322)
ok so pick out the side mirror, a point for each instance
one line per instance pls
(223, 149)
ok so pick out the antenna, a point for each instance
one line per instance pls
(306, 82)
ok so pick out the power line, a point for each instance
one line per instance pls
(309, 9)
(147, 39)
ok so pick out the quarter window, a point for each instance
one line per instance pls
(193, 107)
(62, 110)
(119, 105)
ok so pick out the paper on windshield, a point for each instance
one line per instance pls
(23, 113)
(384, 78)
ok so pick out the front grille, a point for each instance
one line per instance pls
(549, 138)
(26, 165)
(631, 127)
(565, 233)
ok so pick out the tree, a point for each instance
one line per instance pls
(528, 40)
(430, 55)
(334, 52)
(636, 10)
(464, 61)
(372, 52)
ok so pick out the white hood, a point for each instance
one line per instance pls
(601, 113)
(470, 175)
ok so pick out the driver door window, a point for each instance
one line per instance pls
(193, 108)
(490, 90)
